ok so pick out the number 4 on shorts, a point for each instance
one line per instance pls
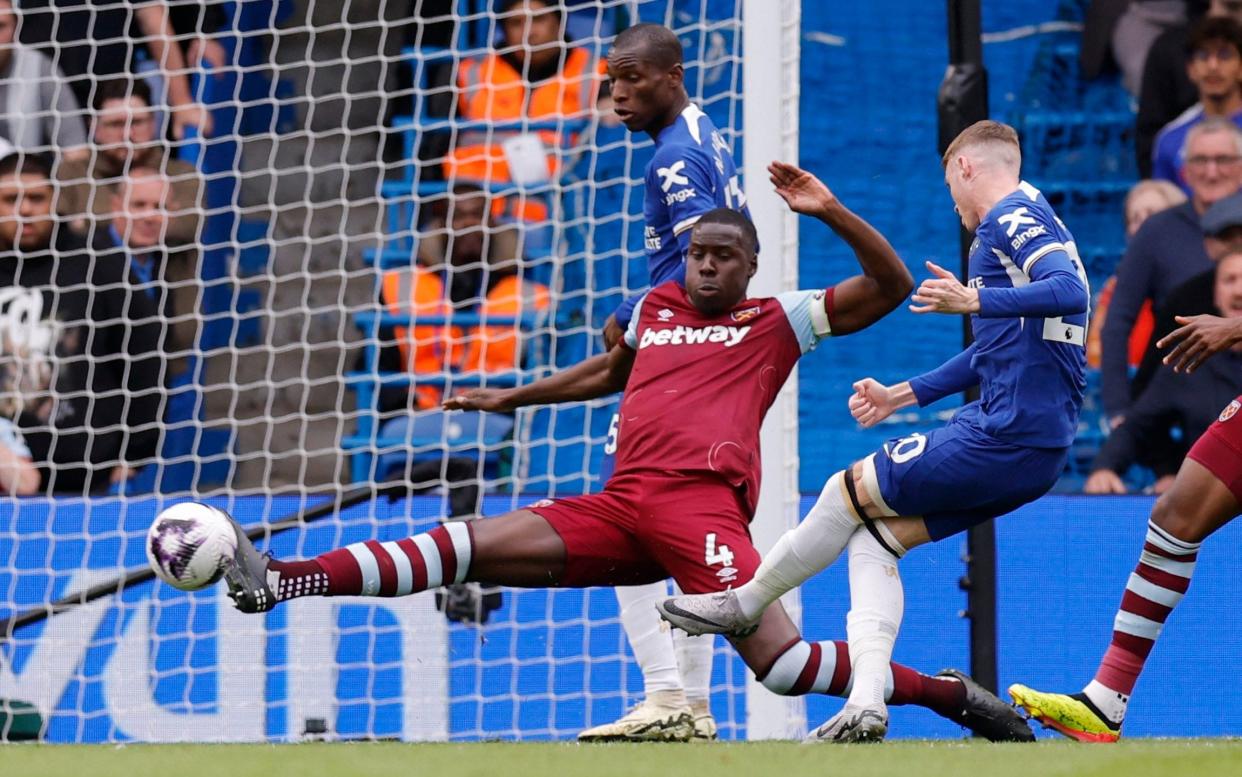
(715, 555)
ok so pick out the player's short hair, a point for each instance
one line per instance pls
(992, 135)
(1214, 29)
(733, 218)
(21, 163)
(1210, 125)
(659, 44)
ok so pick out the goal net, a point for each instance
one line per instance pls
(278, 234)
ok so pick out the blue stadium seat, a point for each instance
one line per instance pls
(433, 434)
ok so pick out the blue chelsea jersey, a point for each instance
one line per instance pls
(691, 173)
(1031, 370)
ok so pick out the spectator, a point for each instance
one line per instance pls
(1166, 88)
(81, 363)
(18, 474)
(1222, 230)
(1147, 198)
(537, 75)
(1167, 251)
(124, 138)
(136, 237)
(1144, 199)
(93, 40)
(1136, 29)
(1214, 53)
(1189, 402)
(36, 110)
(465, 264)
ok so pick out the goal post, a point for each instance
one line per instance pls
(771, 43)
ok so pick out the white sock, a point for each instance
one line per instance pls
(1112, 703)
(694, 661)
(876, 606)
(649, 637)
(803, 551)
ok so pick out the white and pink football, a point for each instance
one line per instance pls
(188, 545)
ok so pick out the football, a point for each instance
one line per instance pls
(188, 545)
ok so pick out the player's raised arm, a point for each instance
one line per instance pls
(598, 376)
(859, 301)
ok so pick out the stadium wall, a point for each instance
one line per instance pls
(155, 664)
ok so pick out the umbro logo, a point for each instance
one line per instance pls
(665, 314)
(671, 176)
(1016, 220)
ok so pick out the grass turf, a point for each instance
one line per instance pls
(1135, 758)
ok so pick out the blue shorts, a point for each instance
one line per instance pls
(956, 477)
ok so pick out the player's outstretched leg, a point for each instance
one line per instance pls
(1198, 504)
(664, 714)
(786, 664)
(516, 549)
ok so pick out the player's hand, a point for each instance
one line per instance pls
(612, 332)
(944, 294)
(803, 192)
(1104, 481)
(871, 402)
(487, 400)
(1198, 338)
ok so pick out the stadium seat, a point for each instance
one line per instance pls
(433, 434)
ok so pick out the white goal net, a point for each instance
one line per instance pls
(245, 250)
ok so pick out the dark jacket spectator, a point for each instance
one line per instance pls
(1222, 231)
(135, 238)
(81, 365)
(1166, 93)
(1167, 251)
(1189, 402)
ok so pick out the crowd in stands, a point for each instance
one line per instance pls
(88, 167)
(99, 223)
(1183, 63)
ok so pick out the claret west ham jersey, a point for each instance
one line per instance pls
(702, 384)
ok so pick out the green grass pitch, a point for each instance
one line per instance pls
(1135, 758)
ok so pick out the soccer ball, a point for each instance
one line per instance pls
(188, 545)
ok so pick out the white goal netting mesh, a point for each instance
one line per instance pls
(245, 249)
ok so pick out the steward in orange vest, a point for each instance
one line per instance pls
(536, 76)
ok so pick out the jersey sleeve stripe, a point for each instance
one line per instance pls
(1040, 254)
(684, 224)
(630, 337)
(821, 324)
(1016, 276)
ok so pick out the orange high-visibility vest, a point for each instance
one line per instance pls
(491, 90)
(493, 349)
(415, 290)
